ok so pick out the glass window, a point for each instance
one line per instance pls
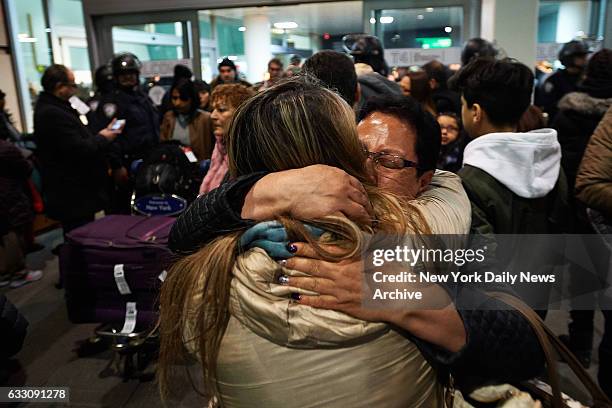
(206, 30)
(70, 42)
(230, 39)
(563, 21)
(150, 42)
(426, 28)
(33, 41)
(67, 13)
(79, 59)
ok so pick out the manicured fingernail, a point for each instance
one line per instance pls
(296, 296)
(283, 279)
(292, 248)
(282, 262)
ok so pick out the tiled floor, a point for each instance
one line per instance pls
(47, 357)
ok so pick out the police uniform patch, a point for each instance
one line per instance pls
(548, 87)
(109, 109)
(93, 105)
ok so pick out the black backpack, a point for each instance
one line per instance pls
(167, 170)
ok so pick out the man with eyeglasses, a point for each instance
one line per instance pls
(74, 167)
(402, 144)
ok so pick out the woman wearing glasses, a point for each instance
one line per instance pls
(256, 345)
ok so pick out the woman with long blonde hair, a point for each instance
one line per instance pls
(256, 346)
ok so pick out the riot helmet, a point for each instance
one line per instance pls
(103, 79)
(126, 68)
(570, 50)
(125, 63)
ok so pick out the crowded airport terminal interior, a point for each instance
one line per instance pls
(306, 203)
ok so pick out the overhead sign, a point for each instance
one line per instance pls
(163, 68)
(405, 57)
(435, 42)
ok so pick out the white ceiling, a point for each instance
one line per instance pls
(318, 18)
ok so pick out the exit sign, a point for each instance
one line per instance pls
(435, 42)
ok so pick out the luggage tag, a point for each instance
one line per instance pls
(122, 284)
(190, 156)
(130, 318)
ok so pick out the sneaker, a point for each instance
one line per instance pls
(30, 276)
(4, 283)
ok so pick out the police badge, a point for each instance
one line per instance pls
(109, 109)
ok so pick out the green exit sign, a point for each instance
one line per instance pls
(435, 42)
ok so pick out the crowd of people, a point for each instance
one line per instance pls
(305, 166)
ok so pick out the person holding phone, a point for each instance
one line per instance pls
(74, 167)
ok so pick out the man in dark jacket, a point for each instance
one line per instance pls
(578, 116)
(74, 168)
(228, 74)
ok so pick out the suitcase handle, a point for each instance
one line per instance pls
(149, 236)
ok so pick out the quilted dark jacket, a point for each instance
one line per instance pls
(15, 205)
(501, 346)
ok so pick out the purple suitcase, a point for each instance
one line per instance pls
(89, 260)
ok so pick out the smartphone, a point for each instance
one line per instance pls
(117, 125)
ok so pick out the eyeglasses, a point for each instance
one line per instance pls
(391, 161)
(449, 128)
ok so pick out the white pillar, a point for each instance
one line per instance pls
(573, 17)
(513, 26)
(257, 39)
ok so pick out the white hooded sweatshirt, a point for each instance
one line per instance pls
(528, 164)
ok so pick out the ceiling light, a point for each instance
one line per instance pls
(372, 20)
(28, 40)
(386, 20)
(25, 38)
(286, 25)
(420, 17)
(448, 29)
(278, 31)
(429, 9)
(243, 29)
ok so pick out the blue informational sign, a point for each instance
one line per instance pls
(159, 205)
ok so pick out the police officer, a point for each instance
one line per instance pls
(573, 56)
(141, 131)
(104, 84)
